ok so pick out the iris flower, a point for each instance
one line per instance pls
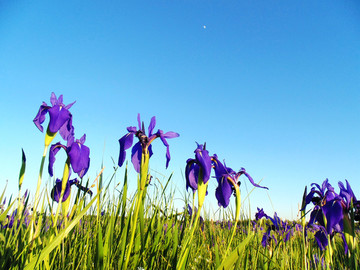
(328, 209)
(143, 146)
(60, 117)
(201, 164)
(56, 191)
(349, 200)
(281, 228)
(78, 154)
(327, 217)
(228, 181)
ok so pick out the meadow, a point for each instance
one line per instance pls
(84, 223)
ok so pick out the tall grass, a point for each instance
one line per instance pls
(96, 235)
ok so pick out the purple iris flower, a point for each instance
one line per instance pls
(228, 179)
(201, 164)
(260, 214)
(144, 143)
(78, 154)
(60, 117)
(56, 191)
(327, 204)
(349, 200)
(281, 228)
(327, 217)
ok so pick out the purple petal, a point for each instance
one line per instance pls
(67, 129)
(139, 122)
(191, 174)
(60, 100)
(204, 160)
(58, 117)
(40, 117)
(53, 151)
(132, 129)
(152, 125)
(219, 168)
(223, 192)
(69, 105)
(125, 143)
(53, 99)
(82, 139)
(79, 155)
(242, 171)
(334, 215)
(170, 134)
(136, 156)
(56, 191)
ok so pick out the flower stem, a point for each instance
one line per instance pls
(144, 168)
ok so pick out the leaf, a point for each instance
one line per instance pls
(57, 240)
(230, 261)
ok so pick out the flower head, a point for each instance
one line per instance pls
(56, 191)
(60, 117)
(78, 154)
(143, 146)
(200, 165)
(228, 181)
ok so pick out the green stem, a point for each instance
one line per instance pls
(63, 187)
(237, 216)
(201, 197)
(144, 168)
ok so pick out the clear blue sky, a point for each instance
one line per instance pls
(272, 86)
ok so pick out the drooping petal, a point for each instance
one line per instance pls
(136, 153)
(40, 117)
(67, 129)
(163, 137)
(321, 239)
(223, 192)
(125, 143)
(191, 174)
(219, 168)
(53, 151)
(242, 171)
(334, 214)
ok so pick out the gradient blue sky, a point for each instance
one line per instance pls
(272, 86)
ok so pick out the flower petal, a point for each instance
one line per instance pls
(151, 126)
(40, 117)
(53, 151)
(204, 160)
(125, 143)
(58, 117)
(223, 192)
(79, 155)
(136, 156)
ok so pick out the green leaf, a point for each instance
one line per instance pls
(100, 248)
(230, 261)
(57, 240)
(22, 170)
(4, 214)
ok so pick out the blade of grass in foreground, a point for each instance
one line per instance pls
(57, 240)
(230, 261)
